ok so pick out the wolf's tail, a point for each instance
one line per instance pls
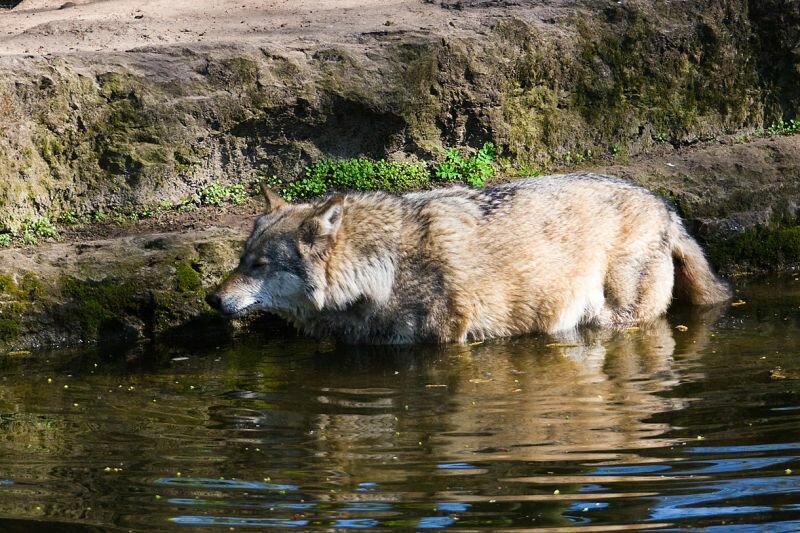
(694, 278)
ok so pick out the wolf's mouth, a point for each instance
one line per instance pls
(243, 310)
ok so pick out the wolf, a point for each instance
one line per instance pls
(460, 264)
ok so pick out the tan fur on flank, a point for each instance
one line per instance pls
(451, 265)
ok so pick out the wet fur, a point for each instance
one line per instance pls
(451, 265)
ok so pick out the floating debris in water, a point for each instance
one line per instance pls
(737, 303)
(777, 373)
(560, 345)
(681, 327)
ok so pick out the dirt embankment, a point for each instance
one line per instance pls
(123, 106)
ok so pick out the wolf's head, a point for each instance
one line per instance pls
(284, 259)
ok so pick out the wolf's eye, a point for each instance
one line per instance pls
(258, 263)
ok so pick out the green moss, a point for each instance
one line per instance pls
(188, 158)
(623, 81)
(761, 248)
(30, 286)
(10, 327)
(52, 148)
(15, 299)
(136, 130)
(239, 72)
(99, 302)
(132, 140)
(7, 285)
(187, 278)
(627, 76)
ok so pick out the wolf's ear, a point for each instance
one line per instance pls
(273, 200)
(326, 219)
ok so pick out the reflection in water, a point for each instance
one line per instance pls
(643, 428)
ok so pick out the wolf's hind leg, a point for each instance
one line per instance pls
(655, 287)
(639, 289)
(621, 290)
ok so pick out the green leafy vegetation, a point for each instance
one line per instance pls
(99, 216)
(394, 176)
(473, 170)
(41, 228)
(217, 194)
(525, 171)
(356, 174)
(68, 217)
(578, 157)
(789, 127)
(780, 128)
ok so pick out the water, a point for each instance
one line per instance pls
(656, 429)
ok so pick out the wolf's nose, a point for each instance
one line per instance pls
(214, 300)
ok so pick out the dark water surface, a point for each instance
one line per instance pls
(655, 428)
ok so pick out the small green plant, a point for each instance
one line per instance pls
(789, 127)
(68, 217)
(41, 228)
(122, 219)
(615, 148)
(187, 204)
(527, 171)
(474, 170)
(5, 240)
(578, 157)
(237, 194)
(662, 137)
(216, 194)
(213, 194)
(28, 239)
(273, 182)
(99, 216)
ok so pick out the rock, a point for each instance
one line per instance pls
(130, 288)
(547, 84)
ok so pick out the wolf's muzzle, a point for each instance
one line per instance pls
(214, 301)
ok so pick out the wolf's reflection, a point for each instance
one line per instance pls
(526, 399)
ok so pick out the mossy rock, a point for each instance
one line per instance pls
(10, 326)
(187, 279)
(99, 304)
(759, 249)
(16, 299)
